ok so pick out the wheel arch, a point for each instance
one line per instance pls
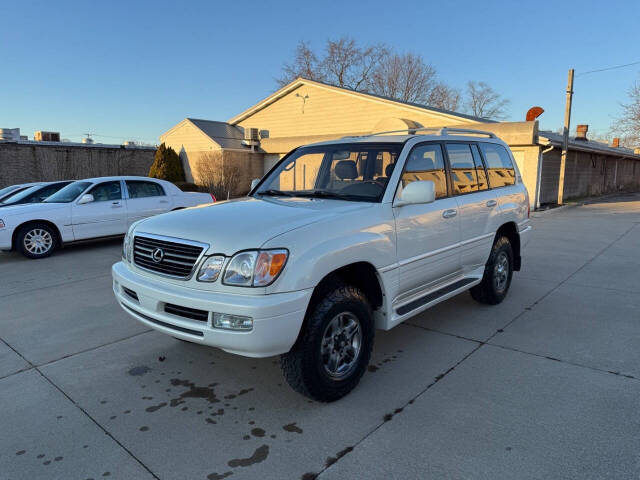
(49, 223)
(362, 275)
(510, 230)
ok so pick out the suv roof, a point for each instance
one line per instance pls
(425, 133)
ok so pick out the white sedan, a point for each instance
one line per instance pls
(91, 208)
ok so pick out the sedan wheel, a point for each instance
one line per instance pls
(36, 240)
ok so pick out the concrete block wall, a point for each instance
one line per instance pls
(23, 163)
(587, 174)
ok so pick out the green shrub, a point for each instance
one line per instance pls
(167, 165)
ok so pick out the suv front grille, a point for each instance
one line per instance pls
(166, 257)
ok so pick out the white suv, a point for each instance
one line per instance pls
(338, 239)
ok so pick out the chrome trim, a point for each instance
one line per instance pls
(205, 247)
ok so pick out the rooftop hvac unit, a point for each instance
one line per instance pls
(10, 134)
(252, 134)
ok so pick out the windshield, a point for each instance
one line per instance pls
(20, 195)
(68, 193)
(5, 190)
(34, 194)
(355, 172)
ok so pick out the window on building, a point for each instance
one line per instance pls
(142, 189)
(463, 169)
(426, 162)
(499, 165)
(106, 191)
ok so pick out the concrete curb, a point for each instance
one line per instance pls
(544, 213)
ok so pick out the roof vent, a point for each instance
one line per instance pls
(581, 132)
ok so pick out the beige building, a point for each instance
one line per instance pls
(306, 111)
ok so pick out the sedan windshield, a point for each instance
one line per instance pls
(34, 194)
(354, 172)
(69, 193)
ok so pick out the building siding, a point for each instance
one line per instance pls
(327, 111)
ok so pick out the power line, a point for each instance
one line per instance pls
(609, 68)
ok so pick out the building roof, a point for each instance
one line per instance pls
(224, 134)
(552, 138)
(298, 82)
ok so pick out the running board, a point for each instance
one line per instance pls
(430, 297)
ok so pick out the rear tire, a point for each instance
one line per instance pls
(497, 274)
(332, 353)
(36, 240)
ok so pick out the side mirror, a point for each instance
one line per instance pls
(86, 198)
(254, 183)
(423, 191)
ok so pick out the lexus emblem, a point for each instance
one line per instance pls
(157, 255)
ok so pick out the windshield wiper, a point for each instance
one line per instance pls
(330, 194)
(274, 192)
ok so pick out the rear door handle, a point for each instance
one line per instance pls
(491, 203)
(449, 213)
(115, 205)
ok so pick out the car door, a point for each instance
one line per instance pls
(104, 216)
(427, 235)
(477, 204)
(145, 199)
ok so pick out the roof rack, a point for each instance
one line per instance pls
(435, 130)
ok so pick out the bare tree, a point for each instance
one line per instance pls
(627, 126)
(218, 176)
(344, 63)
(484, 102)
(404, 77)
(305, 64)
(444, 97)
(347, 65)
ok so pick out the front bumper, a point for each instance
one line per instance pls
(277, 318)
(5, 238)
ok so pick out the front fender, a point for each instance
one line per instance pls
(317, 250)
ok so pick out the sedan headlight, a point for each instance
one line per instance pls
(210, 269)
(256, 268)
(2, 223)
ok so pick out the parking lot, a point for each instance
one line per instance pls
(544, 385)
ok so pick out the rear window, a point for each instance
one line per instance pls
(499, 165)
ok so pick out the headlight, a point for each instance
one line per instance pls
(1, 223)
(255, 268)
(210, 269)
(126, 248)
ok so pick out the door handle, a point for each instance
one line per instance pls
(449, 213)
(115, 205)
(491, 203)
(164, 201)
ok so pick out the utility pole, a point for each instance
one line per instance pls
(565, 137)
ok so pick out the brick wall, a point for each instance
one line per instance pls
(23, 163)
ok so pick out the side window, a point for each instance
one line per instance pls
(106, 191)
(499, 165)
(142, 189)
(481, 173)
(463, 169)
(426, 162)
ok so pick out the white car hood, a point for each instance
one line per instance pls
(31, 209)
(246, 223)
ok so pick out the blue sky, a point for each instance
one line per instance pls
(131, 70)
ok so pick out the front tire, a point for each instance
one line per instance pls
(497, 274)
(334, 349)
(37, 240)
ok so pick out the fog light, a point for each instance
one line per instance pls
(232, 322)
